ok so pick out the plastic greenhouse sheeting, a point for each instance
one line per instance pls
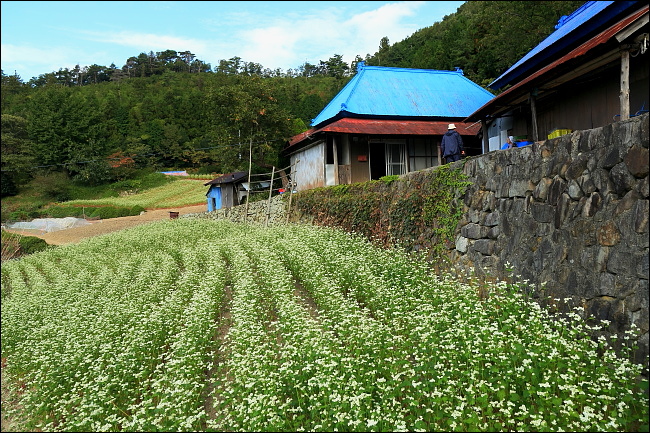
(48, 225)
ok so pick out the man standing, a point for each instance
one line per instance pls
(452, 144)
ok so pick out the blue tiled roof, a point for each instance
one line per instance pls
(399, 92)
(585, 22)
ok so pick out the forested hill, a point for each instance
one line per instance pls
(483, 38)
(169, 110)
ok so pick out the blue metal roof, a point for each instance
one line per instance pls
(584, 23)
(400, 92)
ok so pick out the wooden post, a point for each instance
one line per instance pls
(486, 139)
(335, 153)
(533, 110)
(293, 176)
(268, 203)
(250, 163)
(625, 85)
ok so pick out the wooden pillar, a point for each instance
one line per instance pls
(335, 155)
(486, 139)
(625, 85)
(533, 111)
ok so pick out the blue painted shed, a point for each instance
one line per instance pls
(226, 190)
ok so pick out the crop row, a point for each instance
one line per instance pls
(182, 192)
(199, 325)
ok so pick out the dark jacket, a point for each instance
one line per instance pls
(452, 143)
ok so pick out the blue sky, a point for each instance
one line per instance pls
(39, 37)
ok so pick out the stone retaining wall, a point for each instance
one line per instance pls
(570, 215)
(257, 212)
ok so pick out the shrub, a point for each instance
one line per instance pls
(8, 186)
(19, 215)
(31, 244)
(64, 211)
(106, 212)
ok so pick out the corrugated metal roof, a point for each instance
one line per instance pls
(585, 22)
(503, 99)
(388, 127)
(401, 92)
(228, 178)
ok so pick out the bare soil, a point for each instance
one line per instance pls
(100, 227)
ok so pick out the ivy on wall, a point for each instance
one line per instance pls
(418, 211)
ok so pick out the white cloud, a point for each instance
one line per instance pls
(26, 58)
(149, 42)
(286, 42)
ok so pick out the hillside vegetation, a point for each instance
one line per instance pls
(194, 325)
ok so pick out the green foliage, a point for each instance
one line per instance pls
(55, 186)
(422, 210)
(15, 245)
(104, 212)
(32, 244)
(389, 179)
(16, 152)
(7, 186)
(59, 211)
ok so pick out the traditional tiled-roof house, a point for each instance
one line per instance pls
(385, 121)
(590, 72)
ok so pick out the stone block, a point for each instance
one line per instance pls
(541, 190)
(493, 232)
(489, 201)
(473, 231)
(557, 188)
(484, 246)
(610, 157)
(574, 190)
(519, 188)
(542, 212)
(577, 167)
(608, 234)
(586, 184)
(622, 179)
(491, 219)
(461, 244)
(643, 187)
(562, 210)
(621, 262)
(593, 204)
(627, 202)
(636, 161)
(640, 216)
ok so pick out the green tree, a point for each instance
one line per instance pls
(17, 157)
(335, 67)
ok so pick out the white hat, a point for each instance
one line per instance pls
(451, 126)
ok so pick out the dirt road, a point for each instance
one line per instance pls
(74, 235)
